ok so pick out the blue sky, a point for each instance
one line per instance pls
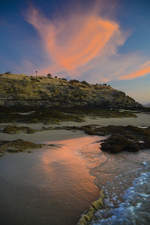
(121, 58)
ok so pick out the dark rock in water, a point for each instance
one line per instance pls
(87, 216)
(18, 145)
(118, 143)
(10, 129)
(123, 138)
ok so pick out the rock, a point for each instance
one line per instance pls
(10, 129)
(89, 214)
(18, 145)
(1, 154)
(118, 143)
(122, 138)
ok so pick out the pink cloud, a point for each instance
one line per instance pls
(85, 45)
(73, 43)
(142, 71)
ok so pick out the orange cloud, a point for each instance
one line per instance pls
(144, 70)
(85, 45)
(73, 42)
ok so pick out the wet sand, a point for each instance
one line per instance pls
(48, 186)
(55, 185)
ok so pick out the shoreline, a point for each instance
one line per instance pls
(85, 218)
(134, 201)
(111, 199)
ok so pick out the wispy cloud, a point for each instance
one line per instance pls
(142, 71)
(85, 45)
(72, 43)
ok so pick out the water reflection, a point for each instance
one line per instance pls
(69, 164)
(51, 186)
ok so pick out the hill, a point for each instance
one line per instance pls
(26, 91)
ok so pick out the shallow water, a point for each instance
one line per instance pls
(51, 186)
(142, 119)
(133, 208)
(54, 185)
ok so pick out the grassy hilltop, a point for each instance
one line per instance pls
(22, 90)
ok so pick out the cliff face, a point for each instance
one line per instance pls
(22, 90)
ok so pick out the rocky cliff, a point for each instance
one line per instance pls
(21, 90)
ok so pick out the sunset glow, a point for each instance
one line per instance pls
(144, 70)
(74, 112)
(97, 41)
(75, 41)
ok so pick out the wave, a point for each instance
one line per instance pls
(134, 209)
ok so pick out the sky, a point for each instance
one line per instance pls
(100, 41)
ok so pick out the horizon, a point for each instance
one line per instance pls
(100, 42)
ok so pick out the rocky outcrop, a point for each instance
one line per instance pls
(27, 91)
(88, 215)
(18, 145)
(122, 138)
(118, 143)
(12, 129)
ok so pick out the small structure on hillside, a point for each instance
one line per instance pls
(49, 75)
